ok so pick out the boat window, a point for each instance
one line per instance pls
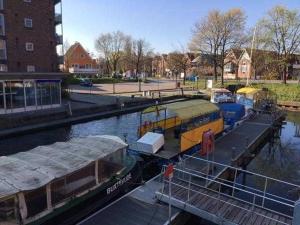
(36, 201)
(7, 210)
(110, 166)
(73, 184)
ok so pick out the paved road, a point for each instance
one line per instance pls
(124, 87)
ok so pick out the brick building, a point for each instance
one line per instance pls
(29, 36)
(79, 61)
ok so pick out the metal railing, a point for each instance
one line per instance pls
(256, 198)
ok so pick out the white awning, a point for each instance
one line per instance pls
(30, 170)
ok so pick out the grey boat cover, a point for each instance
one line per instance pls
(30, 170)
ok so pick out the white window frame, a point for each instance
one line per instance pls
(30, 68)
(3, 68)
(29, 46)
(28, 23)
(244, 68)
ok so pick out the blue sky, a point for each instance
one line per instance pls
(165, 24)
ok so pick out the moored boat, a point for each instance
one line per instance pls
(257, 99)
(232, 112)
(174, 129)
(44, 183)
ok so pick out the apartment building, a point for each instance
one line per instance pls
(30, 34)
(30, 38)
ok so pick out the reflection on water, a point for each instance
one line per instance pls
(282, 160)
(125, 127)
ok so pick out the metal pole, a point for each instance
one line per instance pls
(170, 208)
(252, 46)
(265, 189)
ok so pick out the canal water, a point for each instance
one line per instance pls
(281, 160)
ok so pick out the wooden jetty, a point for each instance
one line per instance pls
(229, 202)
(209, 189)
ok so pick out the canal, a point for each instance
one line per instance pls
(281, 160)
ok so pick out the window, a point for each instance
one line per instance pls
(1, 5)
(29, 47)
(73, 184)
(14, 94)
(30, 93)
(2, 49)
(228, 67)
(244, 68)
(8, 211)
(36, 201)
(30, 68)
(1, 101)
(3, 68)
(28, 23)
(2, 26)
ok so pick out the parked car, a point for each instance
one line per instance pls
(85, 82)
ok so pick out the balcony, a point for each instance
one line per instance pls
(58, 19)
(59, 39)
(57, 1)
(83, 70)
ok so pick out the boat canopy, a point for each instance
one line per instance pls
(220, 90)
(31, 170)
(248, 91)
(190, 109)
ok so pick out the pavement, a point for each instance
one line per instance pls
(132, 87)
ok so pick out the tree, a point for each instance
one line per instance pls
(281, 28)
(178, 62)
(217, 33)
(141, 50)
(111, 46)
(207, 37)
(232, 35)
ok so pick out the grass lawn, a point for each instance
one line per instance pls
(285, 92)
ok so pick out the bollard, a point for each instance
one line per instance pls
(69, 109)
(296, 216)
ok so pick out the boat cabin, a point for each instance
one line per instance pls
(182, 125)
(257, 99)
(36, 183)
(221, 95)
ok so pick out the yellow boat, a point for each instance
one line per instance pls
(182, 124)
(257, 99)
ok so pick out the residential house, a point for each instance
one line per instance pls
(232, 63)
(203, 65)
(160, 65)
(78, 61)
(238, 64)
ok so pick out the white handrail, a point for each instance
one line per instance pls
(238, 184)
(242, 190)
(219, 199)
(245, 171)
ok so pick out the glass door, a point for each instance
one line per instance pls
(2, 106)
